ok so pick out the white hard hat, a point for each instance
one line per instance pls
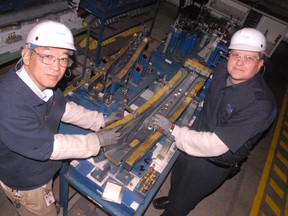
(249, 39)
(51, 34)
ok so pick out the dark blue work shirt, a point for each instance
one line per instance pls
(27, 128)
(237, 113)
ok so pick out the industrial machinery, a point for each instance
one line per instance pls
(140, 162)
(14, 28)
(171, 81)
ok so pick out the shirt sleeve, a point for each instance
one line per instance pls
(82, 117)
(68, 146)
(201, 144)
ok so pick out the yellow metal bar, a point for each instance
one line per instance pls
(140, 151)
(105, 68)
(129, 65)
(134, 143)
(141, 109)
(198, 65)
(148, 103)
(144, 147)
(93, 43)
(133, 59)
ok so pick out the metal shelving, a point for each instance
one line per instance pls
(103, 13)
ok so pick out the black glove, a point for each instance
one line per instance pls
(114, 116)
(109, 136)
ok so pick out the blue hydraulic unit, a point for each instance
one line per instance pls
(219, 54)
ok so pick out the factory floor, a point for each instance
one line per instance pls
(261, 186)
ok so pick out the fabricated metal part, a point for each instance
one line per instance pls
(166, 146)
(190, 111)
(138, 128)
(100, 174)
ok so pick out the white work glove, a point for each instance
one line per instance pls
(109, 136)
(114, 116)
(161, 123)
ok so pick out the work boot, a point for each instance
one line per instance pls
(161, 202)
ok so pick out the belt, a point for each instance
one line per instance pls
(226, 166)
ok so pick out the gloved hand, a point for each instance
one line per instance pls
(161, 123)
(109, 136)
(114, 116)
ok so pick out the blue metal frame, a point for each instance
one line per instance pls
(104, 13)
(77, 176)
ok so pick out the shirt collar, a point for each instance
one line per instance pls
(44, 95)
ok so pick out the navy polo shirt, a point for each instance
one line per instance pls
(237, 113)
(27, 128)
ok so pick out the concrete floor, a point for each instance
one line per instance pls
(237, 195)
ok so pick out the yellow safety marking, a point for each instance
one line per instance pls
(276, 188)
(280, 173)
(284, 145)
(260, 191)
(282, 159)
(273, 205)
(286, 123)
(286, 206)
(285, 134)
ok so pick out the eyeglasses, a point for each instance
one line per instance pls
(50, 59)
(246, 58)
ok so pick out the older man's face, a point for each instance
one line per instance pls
(44, 75)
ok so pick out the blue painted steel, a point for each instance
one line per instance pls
(137, 73)
(103, 12)
(77, 176)
(189, 43)
(84, 176)
(219, 54)
(144, 60)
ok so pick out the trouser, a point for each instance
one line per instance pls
(31, 202)
(192, 179)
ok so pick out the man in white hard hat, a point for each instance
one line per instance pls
(31, 109)
(237, 109)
